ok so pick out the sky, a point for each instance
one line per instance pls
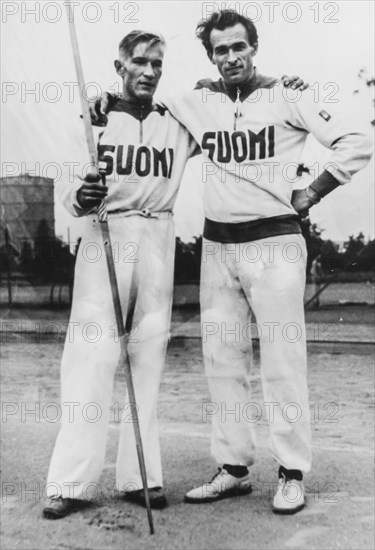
(326, 43)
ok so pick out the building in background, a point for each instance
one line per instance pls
(26, 202)
(32, 259)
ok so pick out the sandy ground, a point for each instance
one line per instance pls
(328, 323)
(340, 487)
(26, 294)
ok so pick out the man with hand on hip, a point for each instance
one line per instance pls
(254, 256)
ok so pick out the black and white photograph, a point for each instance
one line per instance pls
(187, 283)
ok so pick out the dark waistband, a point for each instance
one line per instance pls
(252, 230)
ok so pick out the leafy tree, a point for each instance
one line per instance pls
(366, 259)
(8, 252)
(331, 259)
(53, 260)
(26, 260)
(353, 251)
(187, 260)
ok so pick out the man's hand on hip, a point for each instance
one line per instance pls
(301, 202)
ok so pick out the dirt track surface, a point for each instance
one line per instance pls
(25, 293)
(340, 487)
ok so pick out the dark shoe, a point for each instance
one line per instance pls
(59, 507)
(157, 497)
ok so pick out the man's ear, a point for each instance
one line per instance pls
(254, 48)
(120, 69)
(211, 57)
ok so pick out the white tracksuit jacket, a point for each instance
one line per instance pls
(144, 152)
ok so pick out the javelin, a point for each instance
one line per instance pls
(103, 219)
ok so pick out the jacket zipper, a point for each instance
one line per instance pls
(141, 126)
(237, 112)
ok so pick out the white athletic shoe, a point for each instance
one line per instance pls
(289, 497)
(222, 485)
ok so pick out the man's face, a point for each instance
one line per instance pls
(233, 54)
(141, 71)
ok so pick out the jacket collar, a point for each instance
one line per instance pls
(257, 81)
(138, 110)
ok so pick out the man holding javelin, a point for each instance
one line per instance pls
(143, 151)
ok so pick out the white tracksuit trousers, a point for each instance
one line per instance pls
(267, 276)
(92, 350)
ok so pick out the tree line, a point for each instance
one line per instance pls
(357, 254)
(49, 259)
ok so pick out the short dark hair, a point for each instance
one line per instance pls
(221, 20)
(131, 40)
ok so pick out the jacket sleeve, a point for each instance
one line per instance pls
(173, 105)
(194, 147)
(340, 131)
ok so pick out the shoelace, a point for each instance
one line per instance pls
(283, 480)
(286, 484)
(220, 471)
